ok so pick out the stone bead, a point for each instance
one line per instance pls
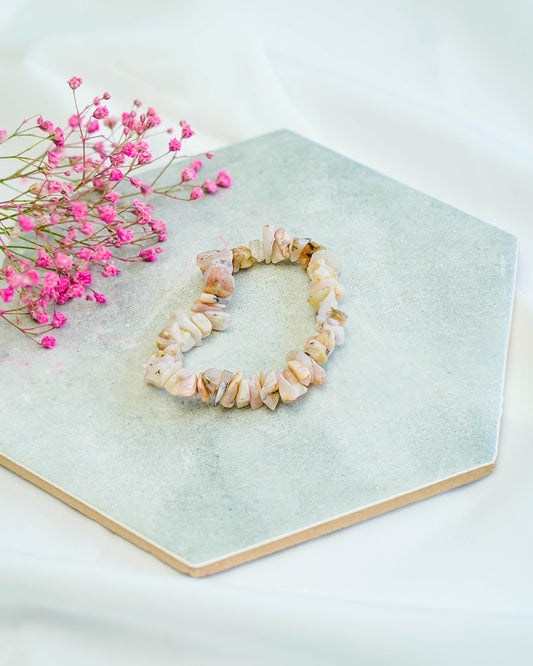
(228, 399)
(268, 385)
(162, 342)
(307, 253)
(219, 320)
(170, 334)
(322, 258)
(302, 373)
(330, 283)
(256, 248)
(255, 391)
(284, 240)
(277, 255)
(167, 373)
(269, 390)
(166, 333)
(297, 247)
(211, 379)
(173, 349)
(207, 307)
(223, 258)
(300, 356)
(327, 338)
(242, 258)
(202, 322)
(247, 259)
(185, 386)
(186, 325)
(224, 381)
(326, 304)
(319, 374)
(155, 367)
(219, 281)
(338, 315)
(331, 325)
(292, 379)
(316, 351)
(243, 394)
(209, 299)
(268, 242)
(188, 342)
(172, 378)
(202, 389)
(271, 400)
(316, 298)
(287, 391)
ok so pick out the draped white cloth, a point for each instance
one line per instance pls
(437, 95)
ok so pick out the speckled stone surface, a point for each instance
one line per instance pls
(414, 397)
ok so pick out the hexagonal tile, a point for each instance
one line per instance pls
(411, 406)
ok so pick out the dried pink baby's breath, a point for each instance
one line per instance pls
(71, 217)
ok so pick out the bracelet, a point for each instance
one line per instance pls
(164, 369)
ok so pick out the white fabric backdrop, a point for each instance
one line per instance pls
(437, 95)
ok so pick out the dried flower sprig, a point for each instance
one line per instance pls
(68, 217)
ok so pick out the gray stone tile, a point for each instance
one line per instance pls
(412, 400)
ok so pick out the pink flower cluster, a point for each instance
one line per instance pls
(209, 186)
(78, 221)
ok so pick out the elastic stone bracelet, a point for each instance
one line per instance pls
(164, 369)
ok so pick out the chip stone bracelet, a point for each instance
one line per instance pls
(165, 368)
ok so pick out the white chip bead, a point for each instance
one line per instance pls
(331, 300)
(287, 391)
(332, 284)
(297, 247)
(219, 320)
(271, 400)
(228, 399)
(316, 351)
(323, 259)
(224, 381)
(243, 394)
(254, 387)
(201, 387)
(319, 374)
(256, 248)
(185, 386)
(173, 377)
(321, 271)
(165, 374)
(269, 385)
(277, 255)
(174, 350)
(268, 242)
(155, 366)
(292, 379)
(188, 342)
(185, 324)
(300, 356)
(171, 333)
(318, 296)
(203, 323)
(162, 342)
